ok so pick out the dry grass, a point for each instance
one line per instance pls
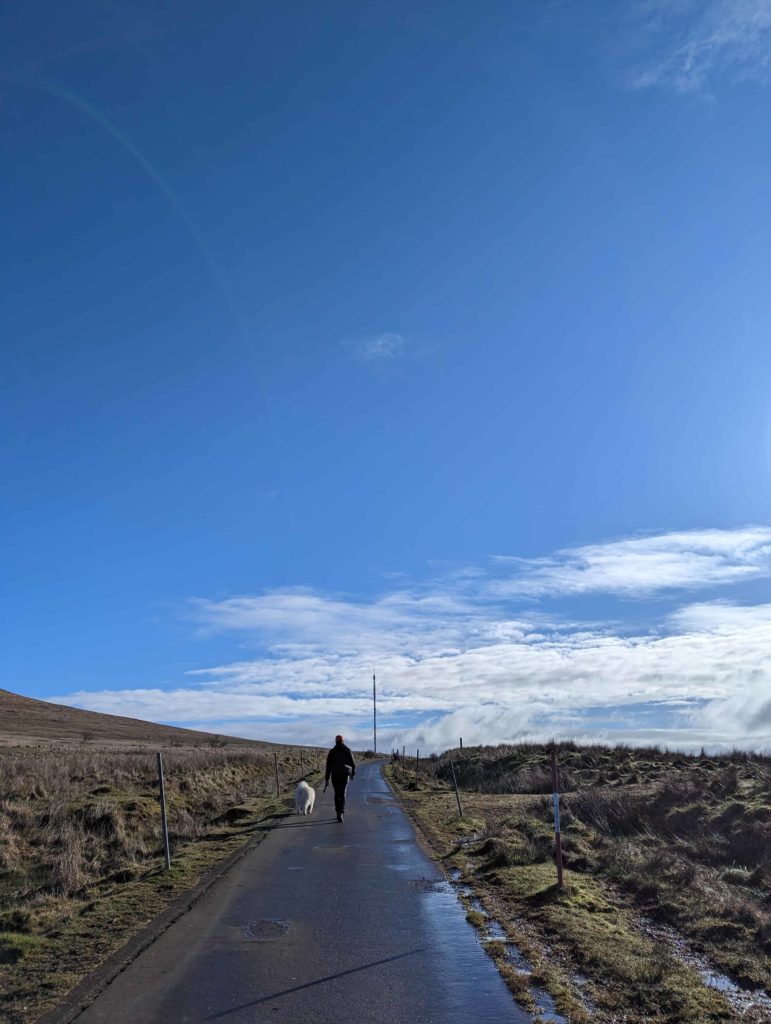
(80, 843)
(72, 817)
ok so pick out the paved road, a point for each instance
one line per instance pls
(320, 923)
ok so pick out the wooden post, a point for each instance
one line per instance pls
(417, 766)
(164, 823)
(555, 796)
(278, 790)
(461, 743)
(457, 794)
(302, 765)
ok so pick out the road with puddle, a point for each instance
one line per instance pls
(322, 922)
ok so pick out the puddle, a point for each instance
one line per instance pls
(494, 932)
(581, 981)
(267, 930)
(545, 1004)
(719, 981)
(427, 885)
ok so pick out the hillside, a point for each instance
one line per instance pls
(25, 720)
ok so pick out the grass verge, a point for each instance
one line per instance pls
(81, 869)
(627, 861)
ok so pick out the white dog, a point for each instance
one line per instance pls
(304, 798)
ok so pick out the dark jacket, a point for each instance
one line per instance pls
(339, 759)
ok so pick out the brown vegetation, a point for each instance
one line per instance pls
(69, 818)
(25, 720)
(667, 861)
(81, 863)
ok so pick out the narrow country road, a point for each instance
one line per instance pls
(320, 923)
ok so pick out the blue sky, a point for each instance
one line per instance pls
(430, 337)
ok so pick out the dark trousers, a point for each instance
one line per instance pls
(340, 784)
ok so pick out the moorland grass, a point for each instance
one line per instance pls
(81, 864)
(646, 835)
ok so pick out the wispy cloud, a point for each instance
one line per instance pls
(690, 42)
(452, 661)
(640, 566)
(378, 349)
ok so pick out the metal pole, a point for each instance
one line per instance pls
(164, 823)
(374, 711)
(278, 790)
(457, 794)
(555, 796)
(461, 743)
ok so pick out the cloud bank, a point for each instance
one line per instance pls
(472, 654)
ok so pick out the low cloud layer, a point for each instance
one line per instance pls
(471, 655)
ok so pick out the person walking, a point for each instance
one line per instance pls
(341, 767)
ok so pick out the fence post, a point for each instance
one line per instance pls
(278, 789)
(302, 765)
(461, 743)
(457, 794)
(164, 823)
(417, 766)
(555, 796)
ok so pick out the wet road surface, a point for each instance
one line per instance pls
(320, 923)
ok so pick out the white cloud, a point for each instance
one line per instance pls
(722, 617)
(377, 349)
(690, 42)
(451, 662)
(536, 684)
(639, 566)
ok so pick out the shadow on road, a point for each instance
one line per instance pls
(304, 824)
(312, 984)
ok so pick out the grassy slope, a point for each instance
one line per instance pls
(647, 836)
(26, 720)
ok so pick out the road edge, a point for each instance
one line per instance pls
(92, 986)
(422, 837)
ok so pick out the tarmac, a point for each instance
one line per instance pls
(319, 923)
